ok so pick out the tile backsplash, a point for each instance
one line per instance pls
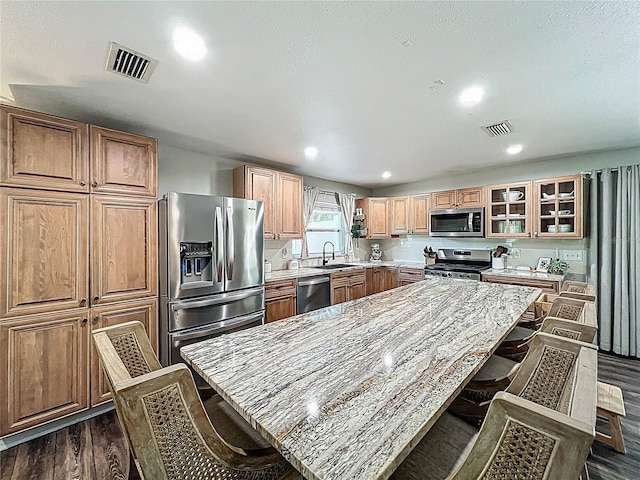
(410, 247)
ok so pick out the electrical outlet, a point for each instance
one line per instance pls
(573, 255)
(284, 252)
(515, 252)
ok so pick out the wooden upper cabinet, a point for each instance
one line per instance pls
(43, 368)
(124, 264)
(419, 214)
(470, 197)
(42, 151)
(376, 216)
(461, 198)
(44, 260)
(290, 208)
(143, 311)
(259, 184)
(123, 163)
(443, 200)
(400, 214)
(509, 210)
(559, 207)
(281, 194)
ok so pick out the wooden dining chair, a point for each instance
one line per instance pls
(525, 435)
(572, 318)
(164, 420)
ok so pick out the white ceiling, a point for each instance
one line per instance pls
(281, 76)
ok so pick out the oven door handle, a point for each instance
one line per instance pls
(219, 299)
(232, 323)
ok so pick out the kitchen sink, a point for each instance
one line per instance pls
(334, 266)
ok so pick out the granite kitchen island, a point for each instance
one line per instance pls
(347, 391)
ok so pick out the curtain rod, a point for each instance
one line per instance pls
(600, 171)
(328, 192)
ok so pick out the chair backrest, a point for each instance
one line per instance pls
(521, 439)
(578, 290)
(544, 424)
(572, 318)
(554, 369)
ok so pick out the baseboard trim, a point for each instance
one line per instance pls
(14, 439)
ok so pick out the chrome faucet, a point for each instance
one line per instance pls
(333, 253)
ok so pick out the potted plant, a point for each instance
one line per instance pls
(557, 266)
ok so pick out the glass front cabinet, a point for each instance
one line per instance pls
(509, 210)
(558, 205)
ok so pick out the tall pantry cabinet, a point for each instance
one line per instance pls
(78, 251)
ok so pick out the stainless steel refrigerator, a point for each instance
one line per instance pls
(211, 269)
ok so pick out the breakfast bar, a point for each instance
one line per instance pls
(347, 391)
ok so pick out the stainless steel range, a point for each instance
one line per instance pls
(459, 263)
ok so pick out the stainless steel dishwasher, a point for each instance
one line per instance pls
(313, 293)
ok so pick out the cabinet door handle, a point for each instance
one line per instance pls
(95, 299)
(94, 184)
(83, 183)
(95, 319)
(83, 302)
(84, 321)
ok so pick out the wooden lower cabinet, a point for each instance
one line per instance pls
(43, 369)
(357, 290)
(390, 278)
(143, 311)
(374, 280)
(280, 299)
(339, 293)
(348, 285)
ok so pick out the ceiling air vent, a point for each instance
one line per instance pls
(129, 63)
(498, 129)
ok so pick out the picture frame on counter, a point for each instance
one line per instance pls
(543, 263)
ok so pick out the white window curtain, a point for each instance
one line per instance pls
(347, 202)
(614, 257)
(309, 200)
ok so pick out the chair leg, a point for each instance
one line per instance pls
(615, 439)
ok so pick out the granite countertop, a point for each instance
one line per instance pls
(512, 272)
(310, 271)
(345, 391)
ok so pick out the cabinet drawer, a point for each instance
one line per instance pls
(349, 275)
(280, 288)
(411, 273)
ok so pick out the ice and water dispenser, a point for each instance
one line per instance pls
(196, 262)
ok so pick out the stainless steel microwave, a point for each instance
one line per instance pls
(460, 222)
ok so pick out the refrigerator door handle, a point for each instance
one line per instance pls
(230, 244)
(219, 243)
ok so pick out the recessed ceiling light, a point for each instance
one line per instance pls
(471, 96)
(310, 152)
(514, 149)
(386, 174)
(189, 44)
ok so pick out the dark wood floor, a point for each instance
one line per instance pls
(95, 449)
